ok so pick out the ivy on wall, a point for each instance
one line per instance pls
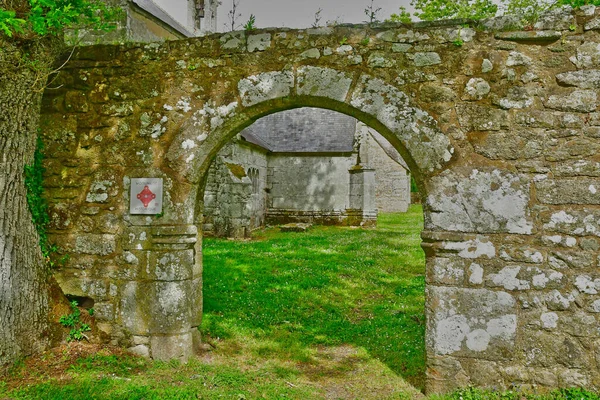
(34, 176)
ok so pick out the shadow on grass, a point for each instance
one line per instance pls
(291, 293)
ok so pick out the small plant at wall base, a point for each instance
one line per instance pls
(74, 322)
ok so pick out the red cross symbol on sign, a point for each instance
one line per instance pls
(146, 196)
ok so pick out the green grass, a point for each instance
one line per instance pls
(293, 292)
(95, 378)
(478, 394)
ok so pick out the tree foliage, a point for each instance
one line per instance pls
(34, 18)
(403, 16)
(528, 10)
(430, 10)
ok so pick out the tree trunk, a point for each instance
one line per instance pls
(23, 272)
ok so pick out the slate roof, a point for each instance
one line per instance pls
(303, 130)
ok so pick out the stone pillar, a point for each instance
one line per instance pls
(159, 305)
(362, 210)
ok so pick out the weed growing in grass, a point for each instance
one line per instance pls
(73, 321)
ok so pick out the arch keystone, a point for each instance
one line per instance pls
(265, 86)
(323, 82)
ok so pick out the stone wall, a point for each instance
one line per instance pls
(392, 179)
(309, 182)
(501, 134)
(235, 200)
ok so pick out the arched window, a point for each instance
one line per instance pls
(254, 174)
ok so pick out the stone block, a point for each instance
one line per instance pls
(516, 98)
(134, 308)
(571, 221)
(476, 89)
(444, 374)
(170, 306)
(584, 79)
(529, 36)
(416, 130)
(259, 42)
(568, 191)
(426, 58)
(551, 349)
(476, 323)
(511, 145)
(588, 55)
(516, 59)
(176, 347)
(403, 36)
(431, 93)
(446, 271)
(583, 101)
(233, 41)
(536, 118)
(170, 266)
(310, 53)
(486, 201)
(140, 350)
(568, 149)
(474, 117)
(265, 86)
(523, 277)
(101, 245)
(380, 60)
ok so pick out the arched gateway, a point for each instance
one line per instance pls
(500, 131)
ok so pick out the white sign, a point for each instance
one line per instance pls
(145, 196)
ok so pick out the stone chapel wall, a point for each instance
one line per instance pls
(392, 180)
(308, 188)
(235, 199)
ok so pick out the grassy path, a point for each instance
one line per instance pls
(300, 300)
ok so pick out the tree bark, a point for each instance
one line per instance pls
(24, 275)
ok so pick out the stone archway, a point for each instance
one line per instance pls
(371, 100)
(500, 132)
